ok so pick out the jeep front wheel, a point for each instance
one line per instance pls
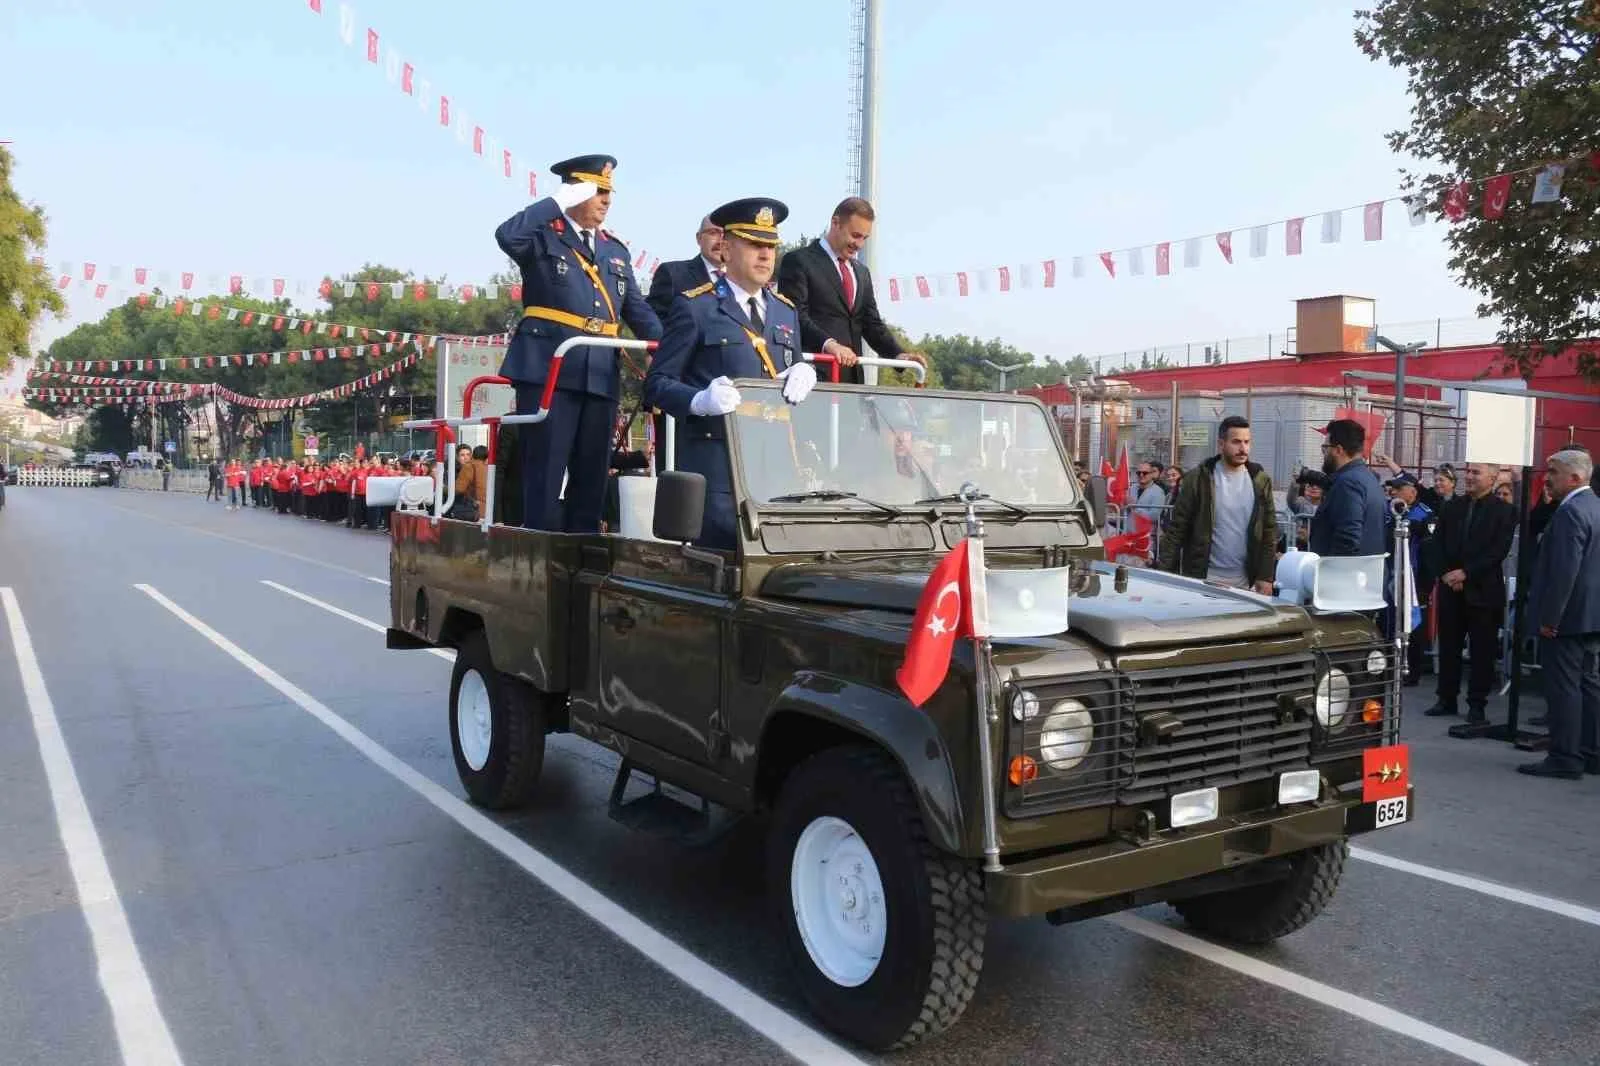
(496, 729)
(884, 932)
(1259, 914)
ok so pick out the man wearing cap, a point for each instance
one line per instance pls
(732, 328)
(1421, 517)
(681, 275)
(576, 281)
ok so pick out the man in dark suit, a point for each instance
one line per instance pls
(576, 281)
(1565, 605)
(1468, 553)
(832, 290)
(1349, 520)
(681, 275)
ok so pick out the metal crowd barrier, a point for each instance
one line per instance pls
(55, 476)
(178, 481)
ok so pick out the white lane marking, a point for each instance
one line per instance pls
(447, 656)
(142, 1033)
(249, 543)
(795, 1037)
(1575, 911)
(1329, 996)
(379, 581)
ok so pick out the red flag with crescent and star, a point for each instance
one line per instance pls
(942, 615)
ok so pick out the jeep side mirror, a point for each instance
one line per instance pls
(1097, 500)
(680, 506)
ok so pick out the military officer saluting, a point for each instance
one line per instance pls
(576, 281)
(731, 328)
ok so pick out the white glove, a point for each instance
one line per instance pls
(569, 196)
(798, 381)
(717, 398)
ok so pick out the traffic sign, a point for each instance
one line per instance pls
(172, 446)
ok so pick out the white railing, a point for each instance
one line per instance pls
(58, 477)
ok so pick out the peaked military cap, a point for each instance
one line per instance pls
(754, 218)
(591, 168)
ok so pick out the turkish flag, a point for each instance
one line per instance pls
(1496, 192)
(1225, 244)
(942, 616)
(1135, 543)
(1455, 202)
(1109, 261)
(1164, 259)
(1117, 490)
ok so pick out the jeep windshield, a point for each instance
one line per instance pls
(861, 449)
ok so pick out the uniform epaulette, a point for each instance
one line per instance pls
(700, 290)
(782, 297)
(613, 237)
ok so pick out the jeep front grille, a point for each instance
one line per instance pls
(1353, 733)
(1231, 725)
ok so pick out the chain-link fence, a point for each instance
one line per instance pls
(1438, 332)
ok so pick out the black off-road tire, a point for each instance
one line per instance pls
(936, 912)
(1260, 914)
(516, 740)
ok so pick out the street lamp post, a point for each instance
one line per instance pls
(1003, 370)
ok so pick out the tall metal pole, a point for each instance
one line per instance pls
(867, 158)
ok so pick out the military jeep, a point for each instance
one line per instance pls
(1172, 742)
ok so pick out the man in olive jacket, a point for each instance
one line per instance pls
(1224, 524)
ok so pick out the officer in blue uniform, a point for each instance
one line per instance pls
(576, 281)
(731, 328)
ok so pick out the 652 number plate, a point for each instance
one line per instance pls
(1389, 812)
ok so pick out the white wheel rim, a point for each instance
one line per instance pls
(838, 901)
(474, 719)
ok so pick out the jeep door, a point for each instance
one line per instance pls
(662, 632)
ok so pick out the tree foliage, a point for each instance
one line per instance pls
(26, 292)
(1500, 86)
(132, 331)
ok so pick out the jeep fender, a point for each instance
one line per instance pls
(887, 720)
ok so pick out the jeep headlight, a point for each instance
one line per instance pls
(1067, 735)
(1377, 662)
(1332, 698)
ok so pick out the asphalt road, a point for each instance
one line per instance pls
(273, 863)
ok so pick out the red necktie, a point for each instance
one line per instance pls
(848, 280)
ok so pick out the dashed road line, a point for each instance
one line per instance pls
(1576, 911)
(1327, 995)
(347, 616)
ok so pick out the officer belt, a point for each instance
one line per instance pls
(598, 326)
(764, 411)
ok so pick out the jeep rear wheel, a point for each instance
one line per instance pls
(884, 932)
(1259, 914)
(496, 729)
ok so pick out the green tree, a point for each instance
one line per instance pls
(26, 292)
(1499, 86)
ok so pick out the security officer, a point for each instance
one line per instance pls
(576, 280)
(731, 328)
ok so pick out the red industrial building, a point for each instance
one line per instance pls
(1336, 335)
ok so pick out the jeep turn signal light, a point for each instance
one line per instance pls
(1023, 770)
(1372, 711)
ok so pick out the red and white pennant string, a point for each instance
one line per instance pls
(1492, 195)
(197, 362)
(126, 390)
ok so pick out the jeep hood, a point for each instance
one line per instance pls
(1153, 609)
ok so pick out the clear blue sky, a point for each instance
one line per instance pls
(245, 137)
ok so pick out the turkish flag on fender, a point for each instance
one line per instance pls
(942, 615)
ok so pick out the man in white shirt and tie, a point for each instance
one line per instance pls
(832, 290)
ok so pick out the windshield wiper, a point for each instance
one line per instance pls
(834, 494)
(956, 497)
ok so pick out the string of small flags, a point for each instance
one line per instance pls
(115, 390)
(212, 362)
(1491, 196)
